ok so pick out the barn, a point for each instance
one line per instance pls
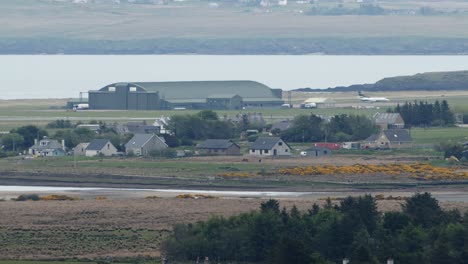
(229, 95)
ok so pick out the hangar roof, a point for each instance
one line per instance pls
(204, 89)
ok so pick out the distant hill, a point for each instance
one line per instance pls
(431, 81)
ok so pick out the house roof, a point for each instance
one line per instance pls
(372, 137)
(398, 135)
(387, 118)
(265, 143)
(216, 144)
(97, 144)
(50, 144)
(140, 140)
(282, 125)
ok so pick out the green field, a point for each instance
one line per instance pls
(435, 135)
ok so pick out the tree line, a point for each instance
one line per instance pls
(22, 138)
(421, 233)
(339, 128)
(425, 114)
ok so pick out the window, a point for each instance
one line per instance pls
(108, 146)
(111, 89)
(280, 144)
(266, 151)
(133, 89)
(286, 150)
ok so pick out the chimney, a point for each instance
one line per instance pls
(390, 261)
(63, 144)
(35, 141)
(345, 261)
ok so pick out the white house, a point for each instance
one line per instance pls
(47, 148)
(100, 147)
(269, 147)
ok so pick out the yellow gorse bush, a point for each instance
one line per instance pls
(236, 174)
(55, 197)
(415, 170)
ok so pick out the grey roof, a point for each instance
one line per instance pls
(97, 144)
(282, 125)
(139, 140)
(388, 118)
(372, 137)
(265, 143)
(174, 91)
(398, 135)
(51, 144)
(216, 144)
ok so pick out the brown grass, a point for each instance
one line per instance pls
(97, 221)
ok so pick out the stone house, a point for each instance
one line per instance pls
(80, 149)
(99, 147)
(390, 138)
(144, 144)
(389, 121)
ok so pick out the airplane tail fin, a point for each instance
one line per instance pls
(360, 94)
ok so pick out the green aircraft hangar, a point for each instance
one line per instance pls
(229, 95)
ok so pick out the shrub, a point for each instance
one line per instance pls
(27, 197)
(252, 138)
(55, 197)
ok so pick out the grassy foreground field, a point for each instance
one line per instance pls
(121, 228)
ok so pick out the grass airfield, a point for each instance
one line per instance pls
(14, 113)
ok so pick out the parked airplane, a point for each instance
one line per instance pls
(364, 98)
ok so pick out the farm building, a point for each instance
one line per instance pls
(144, 144)
(391, 138)
(389, 120)
(218, 147)
(328, 145)
(269, 147)
(316, 152)
(185, 95)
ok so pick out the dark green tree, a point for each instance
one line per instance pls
(29, 133)
(423, 210)
(12, 142)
